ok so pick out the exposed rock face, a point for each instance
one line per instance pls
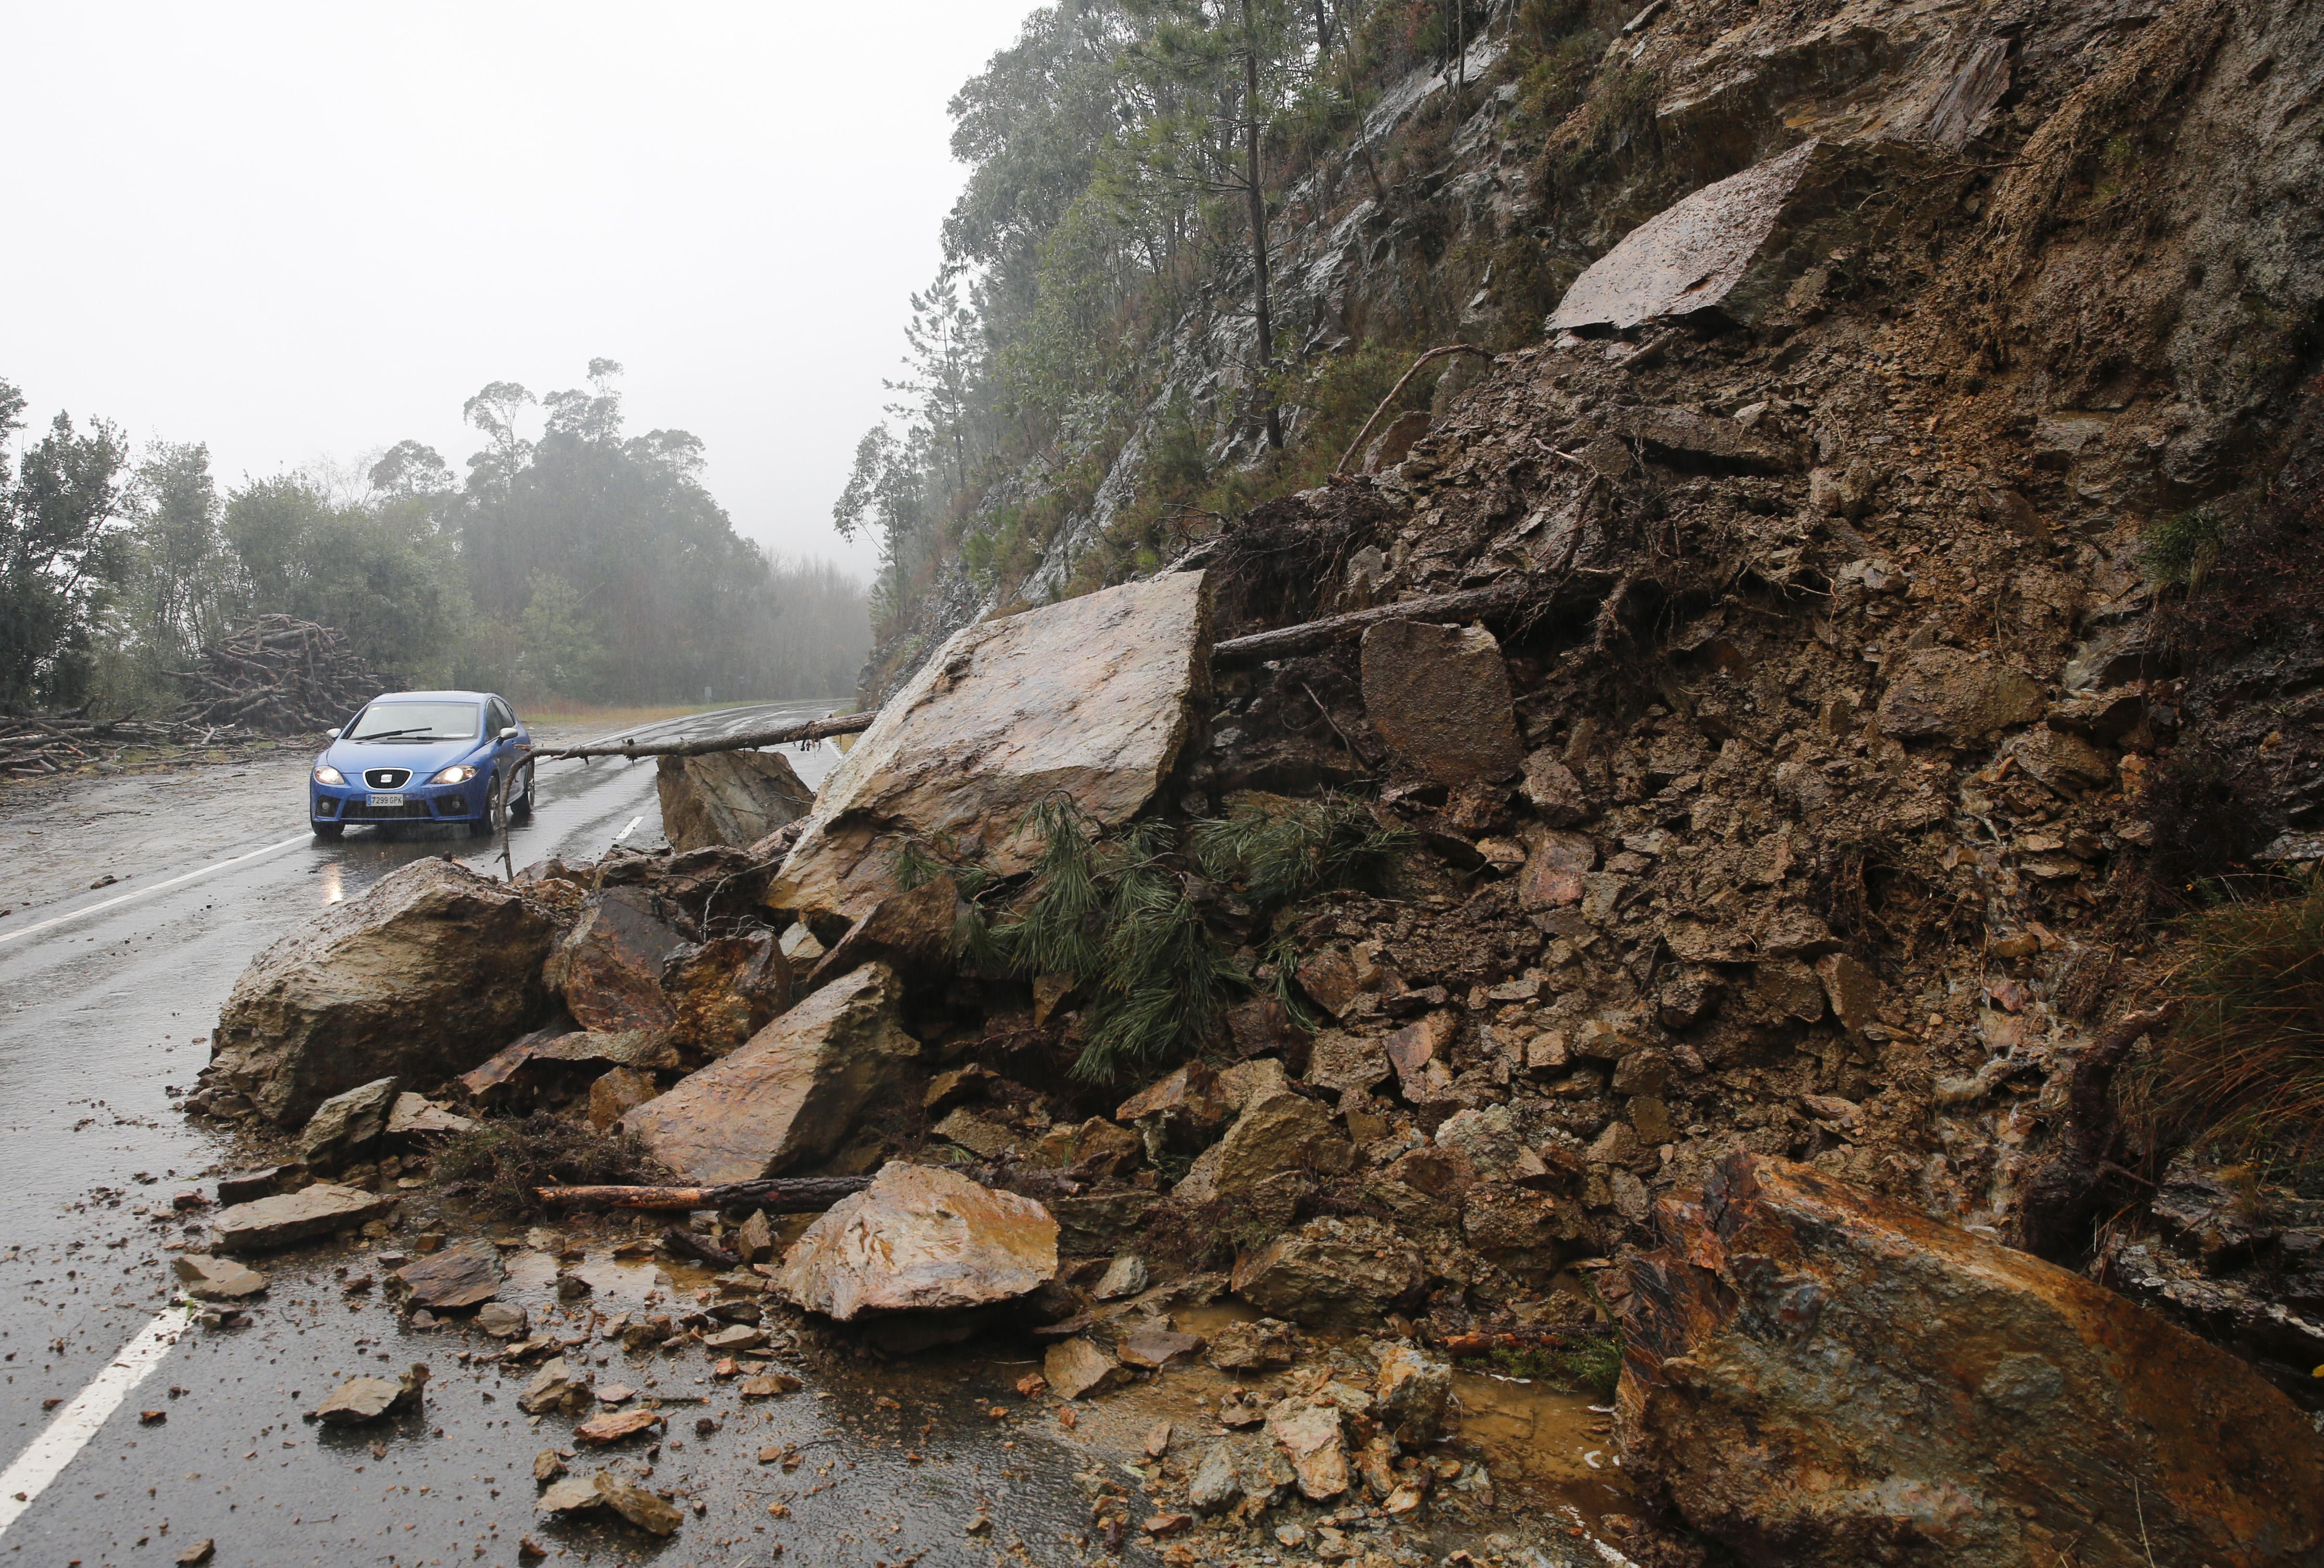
(1818, 1376)
(919, 1238)
(423, 975)
(1331, 1270)
(729, 797)
(1090, 698)
(791, 1096)
(1944, 693)
(1439, 695)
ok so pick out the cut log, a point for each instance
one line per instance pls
(1504, 595)
(813, 730)
(780, 1195)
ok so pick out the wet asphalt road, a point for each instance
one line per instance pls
(99, 1013)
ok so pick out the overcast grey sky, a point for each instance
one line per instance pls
(303, 231)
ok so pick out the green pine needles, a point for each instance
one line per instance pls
(1123, 917)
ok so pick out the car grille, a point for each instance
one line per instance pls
(386, 778)
(363, 811)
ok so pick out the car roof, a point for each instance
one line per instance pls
(432, 696)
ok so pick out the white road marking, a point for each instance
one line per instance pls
(104, 904)
(629, 830)
(79, 1421)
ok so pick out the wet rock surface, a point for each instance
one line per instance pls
(289, 1218)
(728, 798)
(432, 969)
(791, 1094)
(1782, 1274)
(923, 1240)
(1090, 698)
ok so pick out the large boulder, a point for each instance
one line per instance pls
(1089, 699)
(1734, 250)
(1816, 1377)
(729, 797)
(789, 1096)
(920, 1238)
(1440, 697)
(419, 978)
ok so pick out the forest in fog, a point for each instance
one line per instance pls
(575, 560)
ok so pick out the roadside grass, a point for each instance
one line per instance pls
(2242, 1074)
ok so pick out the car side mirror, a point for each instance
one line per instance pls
(508, 734)
(332, 734)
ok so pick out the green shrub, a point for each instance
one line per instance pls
(2179, 551)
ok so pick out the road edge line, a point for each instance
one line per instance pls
(147, 891)
(32, 1472)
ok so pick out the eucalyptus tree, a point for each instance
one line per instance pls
(57, 546)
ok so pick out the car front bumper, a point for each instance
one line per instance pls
(422, 803)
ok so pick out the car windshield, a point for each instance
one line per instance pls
(416, 721)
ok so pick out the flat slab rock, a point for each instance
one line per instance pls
(207, 1279)
(920, 1238)
(1997, 1406)
(467, 1273)
(1091, 697)
(289, 1218)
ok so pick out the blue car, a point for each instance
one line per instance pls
(424, 756)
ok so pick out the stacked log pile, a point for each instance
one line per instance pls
(278, 676)
(31, 747)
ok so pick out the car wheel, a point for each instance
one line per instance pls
(328, 829)
(522, 804)
(495, 810)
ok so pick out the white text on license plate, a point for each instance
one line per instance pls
(387, 801)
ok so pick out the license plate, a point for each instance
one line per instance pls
(387, 801)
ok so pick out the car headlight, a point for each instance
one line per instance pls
(459, 773)
(327, 774)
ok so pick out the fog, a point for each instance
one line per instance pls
(302, 233)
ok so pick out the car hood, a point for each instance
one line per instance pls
(424, 758)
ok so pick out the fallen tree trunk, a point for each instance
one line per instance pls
(813, 730)
(779, 1196)
(1502, 595)
(1284, 640)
